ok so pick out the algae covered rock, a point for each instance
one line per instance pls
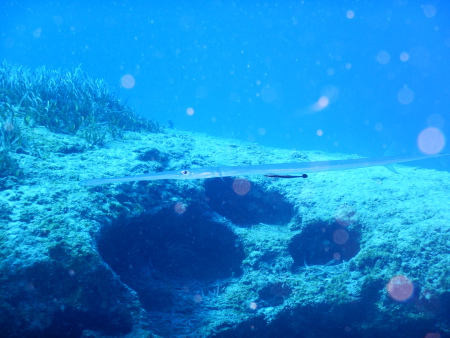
(337, 254)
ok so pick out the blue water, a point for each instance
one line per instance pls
(351, 77)
(355, 77)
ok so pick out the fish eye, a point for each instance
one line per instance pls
(185, 172)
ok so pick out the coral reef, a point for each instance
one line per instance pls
(357, 253)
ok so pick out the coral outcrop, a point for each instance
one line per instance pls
(344, 254)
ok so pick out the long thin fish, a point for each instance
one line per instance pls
(282, 170)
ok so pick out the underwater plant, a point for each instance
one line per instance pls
(11, 139)
(69, 102)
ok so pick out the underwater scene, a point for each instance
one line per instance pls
(224, 169)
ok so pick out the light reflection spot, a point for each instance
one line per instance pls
(241, 186)
(340, 236)
(404, 56)
(190, 111)
(180, 208)
(431, 141)
(405, 96)
(400, 288)
(429, 11)
(383, 57)
(127, 81)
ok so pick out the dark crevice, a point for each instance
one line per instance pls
(245, 203)
(320, 244)
(72, 322)
(173, 245)
(274, 294)
(172, 259)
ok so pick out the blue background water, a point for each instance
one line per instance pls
(341, 76)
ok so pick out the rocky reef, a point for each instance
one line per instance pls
(357, 253)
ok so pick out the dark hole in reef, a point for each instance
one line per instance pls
(72, 322)
(153, 155)
(320, 244)
(151, 252)
(227, 197)
(274, 294)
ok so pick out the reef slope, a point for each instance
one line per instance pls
(232, 257)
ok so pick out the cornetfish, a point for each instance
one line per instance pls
(281, 170)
